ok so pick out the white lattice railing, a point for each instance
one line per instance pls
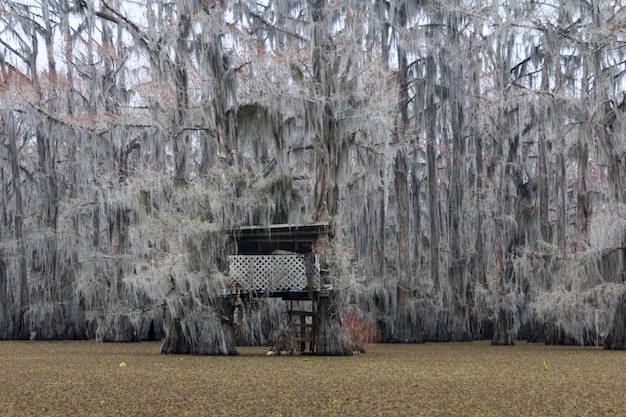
(273, 272)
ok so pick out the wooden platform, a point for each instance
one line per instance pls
(302, 295)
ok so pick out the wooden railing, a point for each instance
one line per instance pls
(260, 273)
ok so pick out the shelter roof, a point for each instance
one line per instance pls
(269, 238)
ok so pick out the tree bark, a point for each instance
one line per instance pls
(477, 266)
(330, 338)
(405, 328)
(459, 322)
(326, 138)
(582, 156)
(504, 323)
(180, 135)
(433, 201)
(542, 155)
(402, 77)
(616, 336)
(18, 327)
(561, 190)
(542, 184)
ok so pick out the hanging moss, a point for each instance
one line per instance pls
(476, 190)
(284, 196)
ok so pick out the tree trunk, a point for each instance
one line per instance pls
(405, 330)
(433, 205)
(504, 323)
(582, 156)
(190, 330)
(331, 338)
(459, 315)
(401, 188)
(175, 341)
(224, 114)
(15, 318)
(180, 135)
(617, 171)
(561, 190)
(542, 156)
(402, 75)
(542, 178)
(479, 324)
(502, 175)
(326, 139)
(6, 296)
(50, 306)
(22, 328)
(616, 337)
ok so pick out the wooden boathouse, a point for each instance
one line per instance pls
(278, 260)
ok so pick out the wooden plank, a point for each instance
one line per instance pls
(303, 339)
(300, 313)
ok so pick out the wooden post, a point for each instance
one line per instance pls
(302, 333)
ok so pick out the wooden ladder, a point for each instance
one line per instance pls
(302, 329)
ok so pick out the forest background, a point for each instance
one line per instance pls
(469, 154)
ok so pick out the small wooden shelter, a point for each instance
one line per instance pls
(278, 261)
